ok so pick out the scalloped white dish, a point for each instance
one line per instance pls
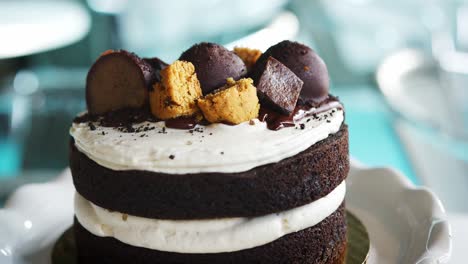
(406, 224)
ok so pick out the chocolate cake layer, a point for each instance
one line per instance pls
(276, 187)
(322, 243)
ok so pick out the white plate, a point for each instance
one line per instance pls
(406, 224)
(31, 26)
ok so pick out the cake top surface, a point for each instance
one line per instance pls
(214, 148)
(213, 110)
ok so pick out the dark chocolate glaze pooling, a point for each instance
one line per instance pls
(182, 123)
(276, 121)
(124, 119)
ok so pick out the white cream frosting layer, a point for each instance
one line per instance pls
(204, 236)
(219, 148)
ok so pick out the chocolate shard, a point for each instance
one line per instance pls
(157, 65)
(214, 64)
(305, 63)
(279, 87)
(117, 80)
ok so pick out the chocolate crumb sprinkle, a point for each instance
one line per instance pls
(171, 157)
(91, 126)
(302, 126)
(121, 119)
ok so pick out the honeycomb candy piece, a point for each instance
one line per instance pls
(235, 103)
(248, 55)
(176, 94)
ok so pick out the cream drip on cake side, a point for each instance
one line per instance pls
(219, 148)
(204, 236)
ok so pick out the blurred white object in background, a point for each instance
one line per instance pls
(284, 26)
(453, 69)
(462, 27)
(430, 124)
(166, 28)
(28, 27)
(354, 36)
(429, 89)
(108, 6)
(402, 78)
(460, 237)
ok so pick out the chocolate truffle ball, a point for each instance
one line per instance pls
(305, 63)
(214, 64)
(117, 80)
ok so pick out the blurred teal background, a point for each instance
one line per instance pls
(51, 44)
(373, 140)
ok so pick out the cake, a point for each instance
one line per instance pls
(218, 157)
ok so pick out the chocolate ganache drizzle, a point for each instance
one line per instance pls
(274, 120)
(277, 121)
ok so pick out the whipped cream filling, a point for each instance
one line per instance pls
(204, 236)
(213, 148)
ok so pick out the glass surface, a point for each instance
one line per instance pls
(354, 36)
(35, 115)
(166, 28)
(9, 147)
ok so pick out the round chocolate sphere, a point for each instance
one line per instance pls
(117, 80)
(305, 63)
(214, 64)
